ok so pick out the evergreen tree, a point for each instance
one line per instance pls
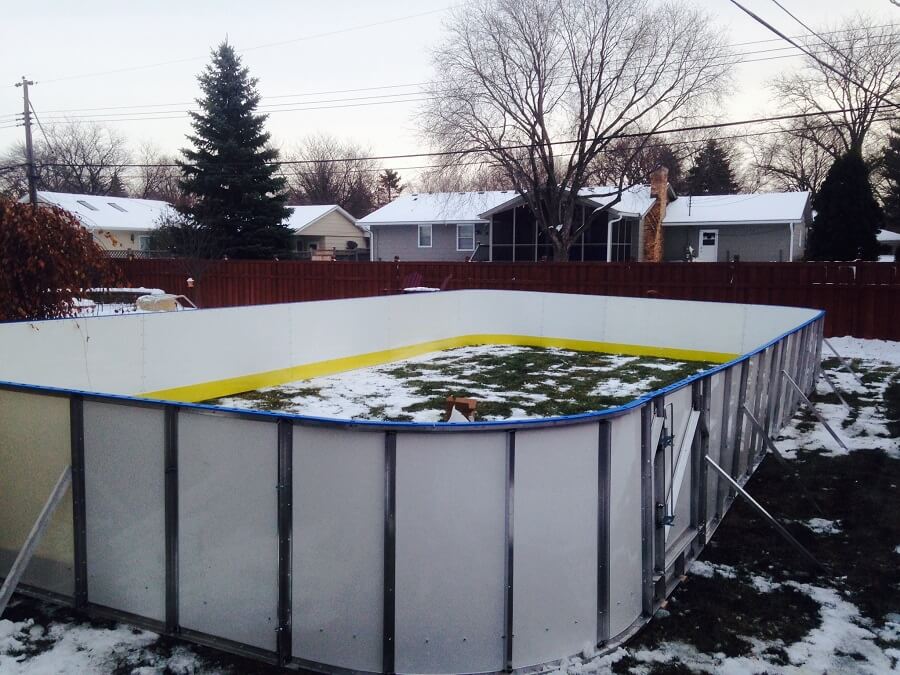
(890, 172)
(389, 186)
(116, 188)
(230, 172)
(847, 216)
(711, 173)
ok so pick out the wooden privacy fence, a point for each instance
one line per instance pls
(861, 299)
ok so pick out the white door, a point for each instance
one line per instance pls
(708, 250)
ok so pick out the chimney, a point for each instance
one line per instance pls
(653, 231)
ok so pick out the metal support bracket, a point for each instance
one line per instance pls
(770, 444)
(834, 388)
(800, 548)
(814, 411)
(34, 537)
(843, 361)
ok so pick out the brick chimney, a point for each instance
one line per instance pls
(653, 231)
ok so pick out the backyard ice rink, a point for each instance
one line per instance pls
(747, 605)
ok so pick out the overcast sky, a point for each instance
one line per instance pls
(299, 51)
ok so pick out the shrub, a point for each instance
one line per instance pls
(46, 258)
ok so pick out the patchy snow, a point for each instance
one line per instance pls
(415, 389)
(877, 351)
(823, 526)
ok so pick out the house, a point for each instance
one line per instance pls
(889, 243)
(327, 227)
(117, 223)
(499, 226)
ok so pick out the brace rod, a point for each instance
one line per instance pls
(770, 444)
(834, 388)
(815, 412)
(800, 548)
(34, 538)
(843, 361)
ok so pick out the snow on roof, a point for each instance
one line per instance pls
(303, 216)
(886, 236)
(99, 212)
(767, 207)
(438, 207)
(635, 201)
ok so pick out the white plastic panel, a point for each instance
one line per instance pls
(124, 464)
(625, 591)
(451, 544)
(35, 448)
(555, 533)
(338, 547)
(227, 520)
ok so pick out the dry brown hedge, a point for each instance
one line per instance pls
(46, 258)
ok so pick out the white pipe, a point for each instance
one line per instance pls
(609, 224)
(791, 250)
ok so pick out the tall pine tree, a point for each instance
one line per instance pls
(847, 216)
(890, 172)
(230, 171)
(711, 173)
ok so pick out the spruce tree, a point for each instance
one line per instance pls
(847, 216)
(389, 186)
(890, 172)
(229, 174)
(711, 173)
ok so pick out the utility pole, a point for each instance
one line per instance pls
(29, 147)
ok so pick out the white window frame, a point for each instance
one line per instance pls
(472, 225)
(430, 235)
(144, 242)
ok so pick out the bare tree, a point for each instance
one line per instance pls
(454, 176)
(864, 53)
(157, 176)
(542, 87)
(790, 160)
(80, 157)
(319, 179)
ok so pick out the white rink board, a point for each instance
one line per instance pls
(124, 467)
(451, 543)
(338, 542)
(555, 551)
(227, 529)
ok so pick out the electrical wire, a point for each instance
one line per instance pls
(475, 151)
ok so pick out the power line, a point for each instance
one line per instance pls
(812, 55)
(248, 49)
(143, 116)
(474, 151)
(136, 108)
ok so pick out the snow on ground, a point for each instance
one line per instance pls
(507, 381)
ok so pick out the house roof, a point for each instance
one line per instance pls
(888, 237)
(439, 207)
(303, 216)
(635, 201)
(98, 212)
(764, 207)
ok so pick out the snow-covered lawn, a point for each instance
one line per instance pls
(748, 606)
(507, 381)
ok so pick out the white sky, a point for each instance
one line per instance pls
(58, 42)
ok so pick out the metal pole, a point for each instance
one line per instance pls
(765, 514)
(390, 556)
(774, 449)
(34, 537)
(510, 560)
(834, 388)
(171, 516)
(843, 361)
(285, 530)
(79, 512)
(815, 412)
(604, 448)
(29, 146)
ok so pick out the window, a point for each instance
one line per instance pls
(465, 237)
(87, 205)
(117, 207)
(621, 241)
(425, 236)
(144, 242)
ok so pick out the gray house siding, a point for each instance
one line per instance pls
(752, 243)
(403, 241)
